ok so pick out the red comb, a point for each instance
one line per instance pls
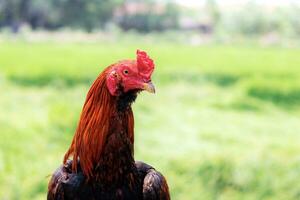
(144, 63)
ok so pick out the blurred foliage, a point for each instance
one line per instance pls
(151, 21)
(53, 14)
(213, 12)
(255, 20)
(249, 20)
(88, 15)
(283, 93)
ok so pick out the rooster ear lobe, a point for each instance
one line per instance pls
(112, 83)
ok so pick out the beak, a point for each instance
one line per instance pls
(149, 87)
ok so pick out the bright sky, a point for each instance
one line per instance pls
(239, 2)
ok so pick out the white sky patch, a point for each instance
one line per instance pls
(196, 3)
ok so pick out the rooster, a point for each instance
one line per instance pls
(99, 163)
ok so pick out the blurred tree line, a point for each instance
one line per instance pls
(85, 14)
(252, 19)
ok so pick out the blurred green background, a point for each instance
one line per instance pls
(224, 123)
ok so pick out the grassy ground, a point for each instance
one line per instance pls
(224, 123)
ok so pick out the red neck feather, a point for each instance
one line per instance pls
(93, 128)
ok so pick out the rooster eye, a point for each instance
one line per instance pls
(126, 71)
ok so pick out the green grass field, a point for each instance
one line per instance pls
(224, 124)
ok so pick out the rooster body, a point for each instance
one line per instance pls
(103, 166)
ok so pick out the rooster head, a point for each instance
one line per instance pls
(131, 75)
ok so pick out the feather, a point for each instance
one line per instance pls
(92, 129)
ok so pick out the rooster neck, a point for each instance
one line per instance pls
(125, 100)
(103, 141)
(116, 164)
